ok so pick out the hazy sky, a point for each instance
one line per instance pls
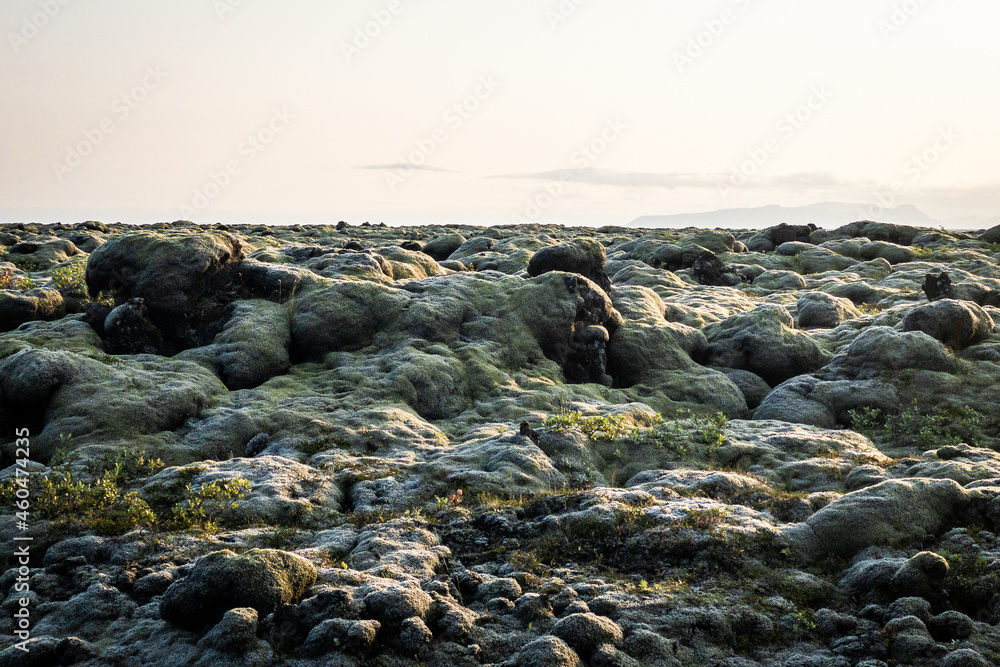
(492, 111)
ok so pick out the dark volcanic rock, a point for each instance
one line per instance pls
(17, 307)
(957, 324)
(128, 330)
(938, 287)
(179, 277)
(708, 269)
(261, 578)
(584, 256)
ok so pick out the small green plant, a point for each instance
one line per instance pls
(71, 280)
(923, 429)
(128, 465)
(804, 621)
(870, 308)
(107, 506)
(9, 281)
(24, 264)
(205, 505)
(604, 428)
(449, 501)
(675, 434)
(709, 430)
(102, 506)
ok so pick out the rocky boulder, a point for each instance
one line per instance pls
(44, 254)
(583, 256)
(957, 324)
(441, 247)
(894, 512)
(252, 347)
(346, 314)
(878, 349)
(261, 579)
(824, 311)
(991, 235)
(17, 307)
(170, 272)
(765, 342)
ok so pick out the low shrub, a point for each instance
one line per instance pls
(923, 429)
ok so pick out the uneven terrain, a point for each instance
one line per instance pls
(514, 446)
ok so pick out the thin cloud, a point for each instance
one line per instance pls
(406, 167)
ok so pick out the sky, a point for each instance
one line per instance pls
(494, 111)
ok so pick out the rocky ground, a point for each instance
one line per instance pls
(517, 446)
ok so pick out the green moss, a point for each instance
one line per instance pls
(870, 309)
(324, 444)
(105, 359)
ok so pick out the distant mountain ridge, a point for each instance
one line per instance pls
(825, 214)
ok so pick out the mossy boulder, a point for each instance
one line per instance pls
(583, 256)
(345, 314)
(957, 324)
(891, 252)
(546, 651)
(104, 398)
(879, 348)
(409, 264)
(991, 235)
(17, 307)
(261, 579)
(879, 231)
(765, 342)
(584, 633)
(171, 272)
(892, 513)
(776, 279)
(441, 247)
(252, 347)
(43, 255)
(824, 311)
